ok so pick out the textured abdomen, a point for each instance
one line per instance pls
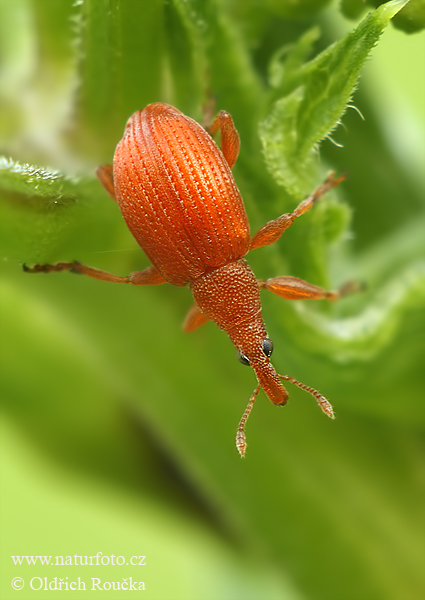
(177, 195)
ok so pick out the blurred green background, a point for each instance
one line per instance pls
(118, 429)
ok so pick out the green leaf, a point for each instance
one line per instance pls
(286, 63)
(411, 18)
(122, 51)
(35, 182)
(186, 57)
(316, 100)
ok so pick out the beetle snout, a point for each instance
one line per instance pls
(270, 382)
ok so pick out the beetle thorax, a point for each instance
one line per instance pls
(230, 296)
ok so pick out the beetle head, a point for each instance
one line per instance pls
(255, 349)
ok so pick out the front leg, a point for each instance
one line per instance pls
(230, 142)
(271, 231)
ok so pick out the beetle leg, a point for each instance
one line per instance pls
(230, 142)
(240, 433)
(292, 288)
(271, 231)
(195, 318)
(150, 276)
(106, 178)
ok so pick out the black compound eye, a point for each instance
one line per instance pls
(267, 347)
(243, 359)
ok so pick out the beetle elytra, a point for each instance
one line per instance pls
(176, 192)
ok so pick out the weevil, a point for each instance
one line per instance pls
(176, 192)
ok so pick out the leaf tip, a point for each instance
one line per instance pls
(387, 11)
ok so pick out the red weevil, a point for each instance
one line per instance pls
(176, 192)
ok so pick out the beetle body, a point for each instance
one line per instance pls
(176, 192)
(178, 196)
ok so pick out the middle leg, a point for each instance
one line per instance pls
(293, 288)
(150, 275)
